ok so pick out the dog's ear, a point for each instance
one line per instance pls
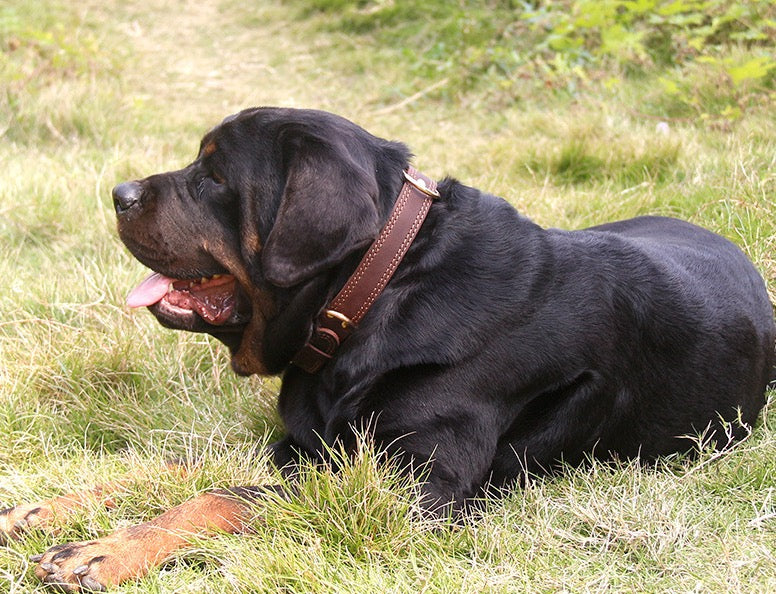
(328, 208)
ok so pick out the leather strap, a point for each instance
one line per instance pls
(347, 309)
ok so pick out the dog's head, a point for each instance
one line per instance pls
(275, 198)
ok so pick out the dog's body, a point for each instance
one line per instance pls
(498, 348)
(502, 347)
(517, 347)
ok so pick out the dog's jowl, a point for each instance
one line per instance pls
(448, 323)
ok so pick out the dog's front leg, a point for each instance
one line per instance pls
(52, 513)
(129, 553)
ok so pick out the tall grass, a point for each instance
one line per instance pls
(98, 92)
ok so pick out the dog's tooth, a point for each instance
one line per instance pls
(203, 280)
(216, 276)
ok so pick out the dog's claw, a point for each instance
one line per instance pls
(49, 567)
(36, 558)
(91, 584)
(81, 570)
(54, 579)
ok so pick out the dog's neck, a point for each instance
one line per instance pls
(343, 314)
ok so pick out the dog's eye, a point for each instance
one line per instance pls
(208, 184)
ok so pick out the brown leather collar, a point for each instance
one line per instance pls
(341, 317)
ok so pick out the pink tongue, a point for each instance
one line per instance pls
(150, 291)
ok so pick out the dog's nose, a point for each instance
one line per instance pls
(126, 195)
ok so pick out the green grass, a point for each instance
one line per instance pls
(93, 93)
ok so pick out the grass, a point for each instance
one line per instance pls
(98, 92)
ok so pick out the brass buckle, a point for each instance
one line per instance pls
(420, 184)
(344, 320)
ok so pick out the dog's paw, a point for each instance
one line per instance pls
(72, 567)
(92, 565)
(52, 514)
(14, 521)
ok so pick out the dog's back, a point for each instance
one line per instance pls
(705, 310)
(650, 332)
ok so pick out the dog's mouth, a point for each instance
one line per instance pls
(186, 303)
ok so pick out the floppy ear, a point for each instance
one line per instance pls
(327, 211)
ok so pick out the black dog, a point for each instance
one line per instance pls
(497, 349)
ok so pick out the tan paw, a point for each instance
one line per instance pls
(93, 565)
(14, 521)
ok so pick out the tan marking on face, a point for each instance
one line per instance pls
(249, 359)
(252, 242)
(210, 148)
